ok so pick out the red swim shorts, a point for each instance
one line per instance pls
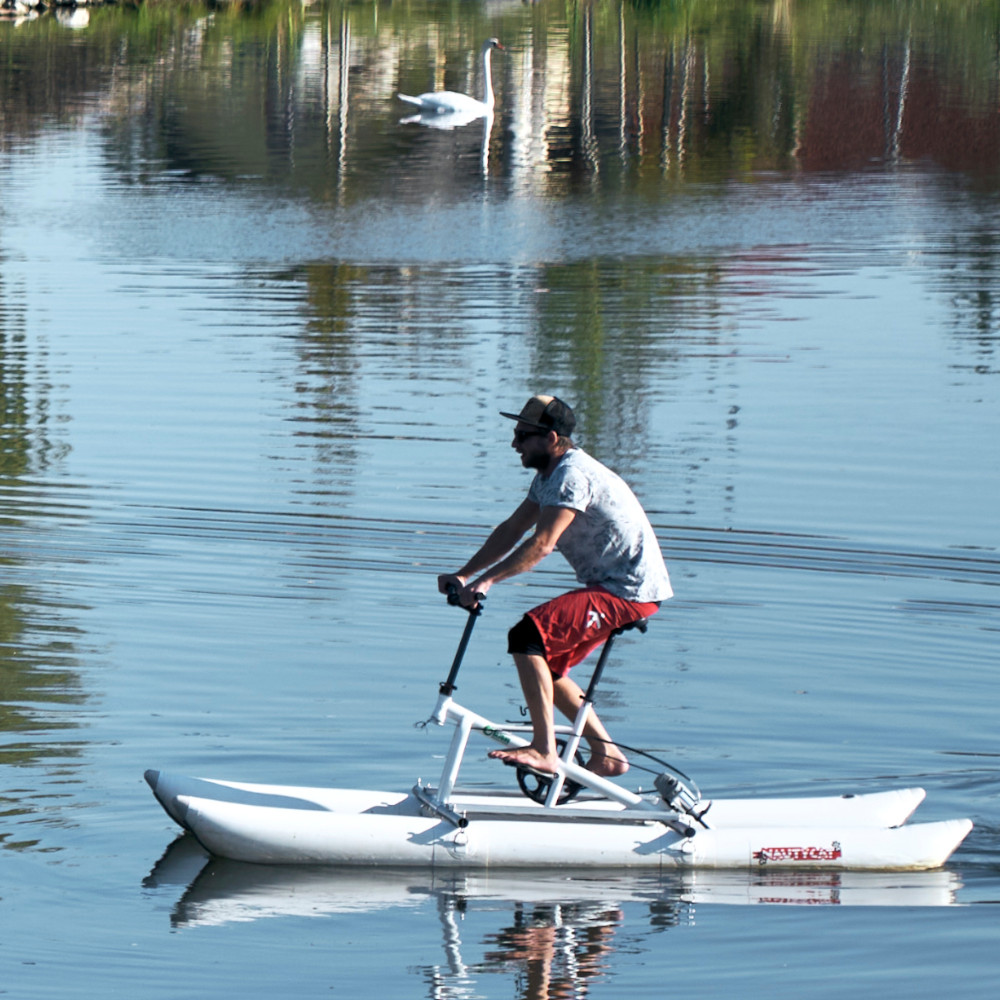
(573, 625)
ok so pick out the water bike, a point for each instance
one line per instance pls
(572, 818)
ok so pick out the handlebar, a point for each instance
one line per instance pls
(452, 595)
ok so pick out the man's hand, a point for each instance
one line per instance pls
(468, 594)
(472, 593)
(446, 580)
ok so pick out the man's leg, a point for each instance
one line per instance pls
(606, 759)
(541, 693)
(537, 686)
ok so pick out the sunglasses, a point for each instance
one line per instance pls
(521, 436)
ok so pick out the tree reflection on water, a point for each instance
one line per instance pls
(587, 93)
(39, 681)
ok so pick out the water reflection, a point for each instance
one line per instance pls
(970, 277)
(642, 89)
(39, 642)
(32, 442)
(457, 119)
(556, 934)
(40, 693)
(559, 949)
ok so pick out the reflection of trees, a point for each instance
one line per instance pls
(970, 275)
(715, 90)
(328, 374)
(604, 328)
(587, 92)
(30, 677)
(37, 661)
(354, 312)
(28, 441)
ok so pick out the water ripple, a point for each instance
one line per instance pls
(407, 545)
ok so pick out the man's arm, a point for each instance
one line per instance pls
(550, 524)
(501, 540)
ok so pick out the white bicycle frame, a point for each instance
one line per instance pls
(448, 711)
(466, 721)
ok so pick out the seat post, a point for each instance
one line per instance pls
(573, 743)
(640, 624)
(599, 669)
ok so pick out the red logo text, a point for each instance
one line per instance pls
(791, 854)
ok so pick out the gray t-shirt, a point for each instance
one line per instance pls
(610, 543)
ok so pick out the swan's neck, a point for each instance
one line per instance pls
(487, 80)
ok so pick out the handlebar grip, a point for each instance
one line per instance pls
(452, 591)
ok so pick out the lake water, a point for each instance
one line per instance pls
(254, 335)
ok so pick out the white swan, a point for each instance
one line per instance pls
(448, 102)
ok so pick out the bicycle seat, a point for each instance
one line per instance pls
(640, 623)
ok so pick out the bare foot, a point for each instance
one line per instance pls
(529, 757)
(607, 767)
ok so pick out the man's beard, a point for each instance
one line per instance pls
(539, 461)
